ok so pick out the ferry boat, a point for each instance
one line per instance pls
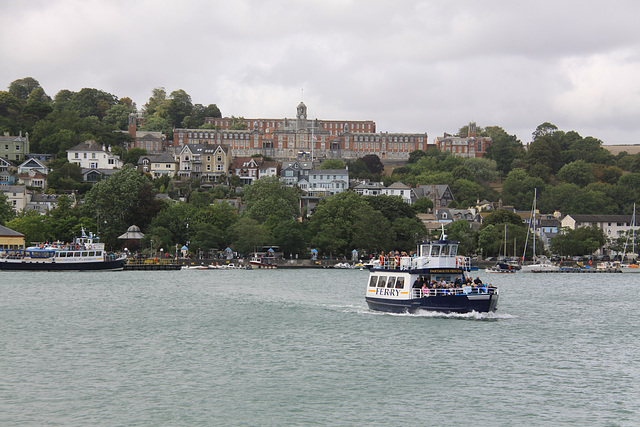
(85, 253)
(400, 288)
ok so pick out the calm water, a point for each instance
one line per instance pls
(297, 347)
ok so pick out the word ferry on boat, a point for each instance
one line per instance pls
(85, 253)
(434, 280)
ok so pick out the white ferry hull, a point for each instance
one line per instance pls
(481, 303)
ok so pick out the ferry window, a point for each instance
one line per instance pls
(373, 281)
(62, 254)
(92, 254)
(391, 282)
(76, 254)
(435, 250)
(84, 253)
(400, 283)
(382, 281)
(453, 250)
(99, 253)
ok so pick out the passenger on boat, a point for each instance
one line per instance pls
(418, 283)
(477, 281)
(425, 290)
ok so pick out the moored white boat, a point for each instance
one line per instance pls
(500, 267)
(630, 268)
(85, 253)
(434, 280)
(542, 263)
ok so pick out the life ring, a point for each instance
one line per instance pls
(77, 246)
(89, 246)
(459, 261)
(396, 261)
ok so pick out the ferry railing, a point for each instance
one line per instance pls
(412, 262)
(467, 290)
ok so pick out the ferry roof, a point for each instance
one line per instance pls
(440, 242)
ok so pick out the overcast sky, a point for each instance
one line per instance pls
(410, 66)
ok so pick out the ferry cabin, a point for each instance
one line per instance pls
(54, 255)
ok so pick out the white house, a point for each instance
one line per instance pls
(326, 182)
(398, 189)
(612, 225)
(92, 155)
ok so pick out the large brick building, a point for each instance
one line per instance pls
(471, 146)
(303, 138)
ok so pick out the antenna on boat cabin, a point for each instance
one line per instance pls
(443, 236)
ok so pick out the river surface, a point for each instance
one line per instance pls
(300, 347)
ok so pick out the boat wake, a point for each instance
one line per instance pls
(474, 315)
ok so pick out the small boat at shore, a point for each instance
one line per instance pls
(501, 267)
(262, 262)
(85, 253)
(434, 280)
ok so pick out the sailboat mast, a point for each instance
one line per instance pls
(633, 231)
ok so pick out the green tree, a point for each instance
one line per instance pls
(6, 210)
(248, 234)
(373, 163)
(132, 155)
(22, 88)
(270, 201)
(331, 225)
(461, 231)
(518, 188)
(392, 207)
(423, 205)
(290, 236)
(543, 130)
(66, 177)
(157, 102)
(483, 169)
(578, 172)
(581, 241)
(179, 107)
(206, 237)
(332, 164)
(237, 123)
(416, 155)
(32, 225)
(467, 192)
(502, 216)
(125, 199)
(156, 124)
(118, 116)
(367, 239)
(63, 220)
(408, 233)
(607, 174)
(92, 102)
